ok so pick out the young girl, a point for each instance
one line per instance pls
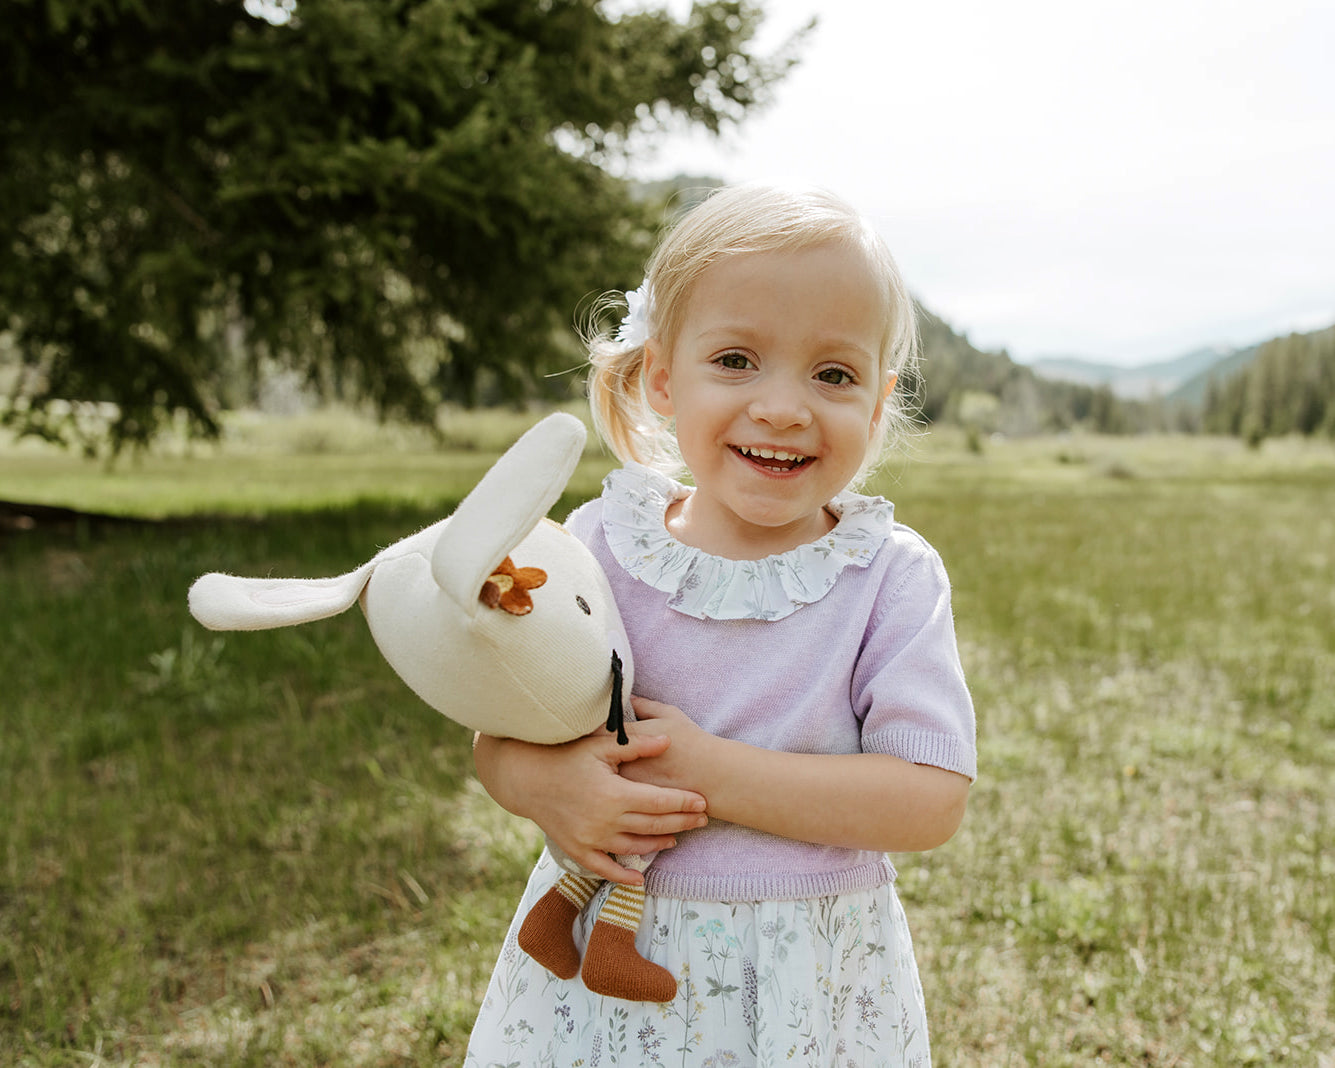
(801, 706)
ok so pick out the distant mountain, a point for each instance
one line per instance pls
(990, 393)
(1147, 380)
(1192, 391)
(1279, 386)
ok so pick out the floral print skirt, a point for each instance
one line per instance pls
(825, 981)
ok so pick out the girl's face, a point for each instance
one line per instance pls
(775, 387)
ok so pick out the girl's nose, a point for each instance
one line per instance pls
(780, 404)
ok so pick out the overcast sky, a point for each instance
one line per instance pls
(1123, 182)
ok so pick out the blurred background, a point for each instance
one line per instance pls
(408, 205)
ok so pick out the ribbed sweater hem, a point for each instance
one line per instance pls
(919, 746)
(768, 886)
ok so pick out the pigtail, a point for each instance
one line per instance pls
(621, 412)
(616, 398)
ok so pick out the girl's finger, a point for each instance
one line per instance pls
(661, 800)
(605, 866)
(640, 747)
(645, 708)
(642, 824)
(642, 845)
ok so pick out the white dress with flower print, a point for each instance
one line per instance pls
(826, 981)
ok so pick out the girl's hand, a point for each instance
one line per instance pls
(575, 793)
(853, 800)
(678, 766)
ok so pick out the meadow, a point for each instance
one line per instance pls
(260, 849)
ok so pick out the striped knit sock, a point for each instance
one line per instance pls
(612, 965)
(547, 935)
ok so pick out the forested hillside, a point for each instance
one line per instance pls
(1289, 388)
(1283, 386)
(991, 393)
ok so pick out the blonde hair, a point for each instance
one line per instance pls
(737, 221)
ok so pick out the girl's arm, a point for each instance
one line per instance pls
(857, 801)
(575, 793)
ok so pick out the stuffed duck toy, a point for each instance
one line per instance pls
(503, 621)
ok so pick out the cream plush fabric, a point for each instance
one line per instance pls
(542, 677)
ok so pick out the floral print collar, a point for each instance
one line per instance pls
(635, 503)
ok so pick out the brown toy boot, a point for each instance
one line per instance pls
(612, 965)
(547, 933)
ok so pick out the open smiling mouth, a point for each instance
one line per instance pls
(775, 460)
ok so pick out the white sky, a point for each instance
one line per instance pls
(1122, 182)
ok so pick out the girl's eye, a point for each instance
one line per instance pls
(834, 376)
(734, 361)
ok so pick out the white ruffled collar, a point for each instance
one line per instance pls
(635, 503)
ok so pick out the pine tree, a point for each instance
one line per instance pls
(402, 200)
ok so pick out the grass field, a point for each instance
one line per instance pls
(259, 849)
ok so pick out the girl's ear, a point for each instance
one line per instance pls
(657, 379)
(883, 399)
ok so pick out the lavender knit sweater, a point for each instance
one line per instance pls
(871, 666)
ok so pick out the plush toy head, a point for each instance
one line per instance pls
(495, 616)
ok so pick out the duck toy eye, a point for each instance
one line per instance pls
(583, 605)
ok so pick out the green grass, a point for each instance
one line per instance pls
(259, 849)
(321, 460)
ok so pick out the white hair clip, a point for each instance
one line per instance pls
(634, 329)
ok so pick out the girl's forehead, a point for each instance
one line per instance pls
(814, 268)
(830, 287)
(806, 259)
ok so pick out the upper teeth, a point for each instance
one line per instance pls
(772, 454)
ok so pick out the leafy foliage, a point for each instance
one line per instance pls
(400, 199)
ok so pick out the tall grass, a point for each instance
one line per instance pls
(260, 849)
(1144, 874)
